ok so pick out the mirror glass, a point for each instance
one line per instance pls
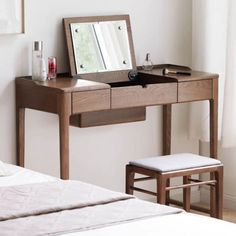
(101, 46)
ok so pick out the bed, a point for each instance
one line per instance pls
(88, 210)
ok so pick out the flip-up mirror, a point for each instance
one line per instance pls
(100, 48)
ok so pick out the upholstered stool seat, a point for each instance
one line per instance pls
(175, 162)
(163, 168)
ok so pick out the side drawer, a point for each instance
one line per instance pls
(194, 90)
(90, 100)
(135, 96)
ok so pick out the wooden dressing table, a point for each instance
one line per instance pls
(69, 97)
(103, 93)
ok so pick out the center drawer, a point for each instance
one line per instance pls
(151, 94)
(93, 100)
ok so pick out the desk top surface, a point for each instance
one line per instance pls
(68, 84)
(65, 84)
(195, 75)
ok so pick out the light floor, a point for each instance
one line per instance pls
(229, 215)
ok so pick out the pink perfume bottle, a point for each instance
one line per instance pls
(52, 68)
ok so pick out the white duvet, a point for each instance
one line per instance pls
(177, 224)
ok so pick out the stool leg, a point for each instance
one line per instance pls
(213, 196)
(129, 180)
(168, 192)
(219, 193)
(186, 194)
(161, 189)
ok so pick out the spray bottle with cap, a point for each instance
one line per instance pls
(38, 63)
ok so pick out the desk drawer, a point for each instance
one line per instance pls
(194, 90)
(135, 96)
(90, 101)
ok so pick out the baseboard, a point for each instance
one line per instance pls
(229, 200)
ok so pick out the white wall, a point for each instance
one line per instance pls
(227, 157)
(97, 155)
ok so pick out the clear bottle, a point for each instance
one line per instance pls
(43, 71)
(147, 64)
(37, 56)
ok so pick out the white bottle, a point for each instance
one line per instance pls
(42, 70)
(37, 55)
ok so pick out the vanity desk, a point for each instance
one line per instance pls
(69, 97)
(98, 91)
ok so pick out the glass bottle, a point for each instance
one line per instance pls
(43, 71)
(147, 64)
(52, 67)
(37, 56)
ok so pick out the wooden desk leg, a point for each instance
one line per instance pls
(213, 137)
(166, 130)
(20, 136)
(64, 122)
(214, 120)
(219, 194)
(166, 145)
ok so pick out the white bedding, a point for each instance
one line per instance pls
(177, 224)
(19, 176)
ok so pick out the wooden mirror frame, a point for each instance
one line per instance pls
(108, 76)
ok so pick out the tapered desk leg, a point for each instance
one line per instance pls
(166, 129)
(64, 122)
(20, 136)
(213, 136)
(219, 194)
(166, 144)
(214, 120)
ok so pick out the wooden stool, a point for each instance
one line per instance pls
(179, 165)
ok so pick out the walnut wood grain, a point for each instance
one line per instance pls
(214, 119)
(152, 94)
(20, 136)
(166, 130)
(34, 96)
(162, 179)
(64, 112)
(187, 193)
(214, 138)
(195, 90)
(65, 97)
(90, 100)
(117, 116)
(195, 75)
(219, 192)
(68, 84)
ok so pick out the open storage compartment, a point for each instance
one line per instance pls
(147, 90)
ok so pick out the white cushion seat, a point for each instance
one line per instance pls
(175, 162)
(163, 168)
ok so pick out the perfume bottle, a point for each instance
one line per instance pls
(42, 70)
(147, 64)
(37, 55)
(52, 68)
